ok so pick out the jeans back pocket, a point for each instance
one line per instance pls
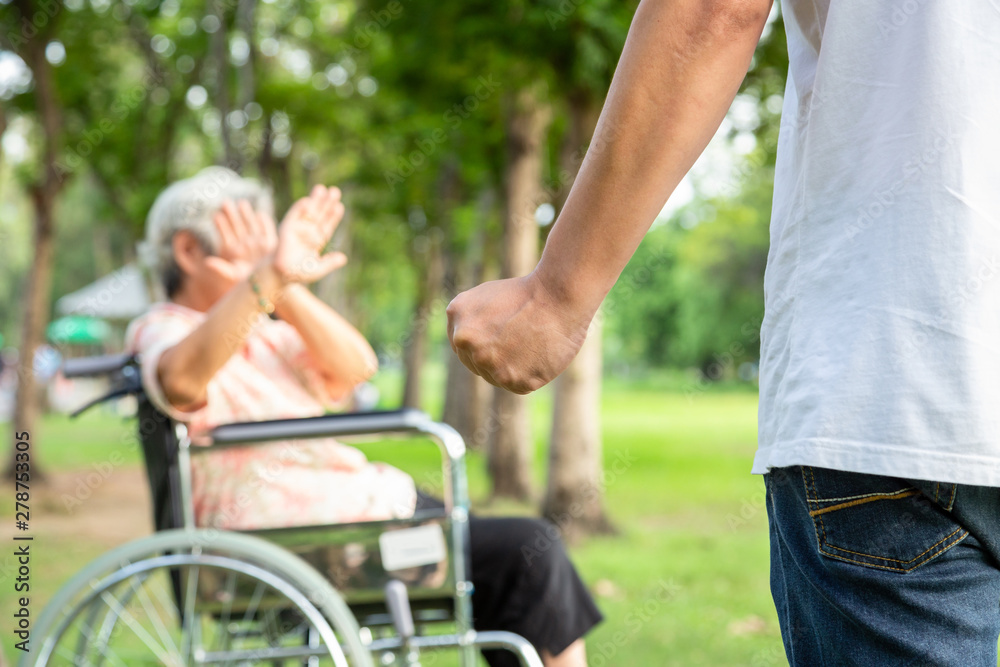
(881, 522)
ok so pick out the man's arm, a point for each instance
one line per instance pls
(681, 67)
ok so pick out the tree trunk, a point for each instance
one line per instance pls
(333, 288)
(3, 128)
(36, 315)
(219, 46)
(415, 350)
(467, 404)
(574, 499)
(467, 396)
(43, 196)
(100, 240)
(511, 444)
(247, 82)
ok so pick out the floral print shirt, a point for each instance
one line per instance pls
(273, 376)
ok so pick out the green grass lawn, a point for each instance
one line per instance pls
(684, 583)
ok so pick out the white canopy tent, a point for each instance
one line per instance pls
(121, 295)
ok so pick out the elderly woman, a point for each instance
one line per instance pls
(240, 338)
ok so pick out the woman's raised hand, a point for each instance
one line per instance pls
(245, 238)
(303, 235)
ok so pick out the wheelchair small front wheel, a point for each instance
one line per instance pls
(197, 597)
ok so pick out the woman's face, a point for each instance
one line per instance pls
(207, 278)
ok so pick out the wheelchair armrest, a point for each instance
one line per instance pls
(352, 423)
(407, 420)
(95, 366)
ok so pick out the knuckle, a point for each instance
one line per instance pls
(462, 340)
(483, 358)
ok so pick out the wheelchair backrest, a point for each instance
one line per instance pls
(159, 448)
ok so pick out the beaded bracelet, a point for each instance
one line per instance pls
(262, 301)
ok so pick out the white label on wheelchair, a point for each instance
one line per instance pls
(412, 547)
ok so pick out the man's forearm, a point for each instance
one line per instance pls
(682, 66)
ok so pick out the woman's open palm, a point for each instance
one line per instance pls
(304, 233)
(245, 238)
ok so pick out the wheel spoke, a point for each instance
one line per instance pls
(75, 659)
(130, 621)
(258, 594)
(102, 647)
(147, 606)
(191, 592)
(229, 596)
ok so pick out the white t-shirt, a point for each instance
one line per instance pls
(880, 347)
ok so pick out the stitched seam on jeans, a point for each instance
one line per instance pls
(817, 523)
(937, 491)
(951, 501)
(822, 527)
(897, 560)
(899, 495)
(866, 495)
(889, 567)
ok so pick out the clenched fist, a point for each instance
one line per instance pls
(514, 334)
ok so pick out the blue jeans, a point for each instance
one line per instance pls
(870, 570)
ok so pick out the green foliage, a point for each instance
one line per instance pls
(694, 296)
(642, 308)
(403, 104)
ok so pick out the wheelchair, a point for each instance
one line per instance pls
(348, 595)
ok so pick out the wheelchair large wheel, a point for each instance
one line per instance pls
(200, 597)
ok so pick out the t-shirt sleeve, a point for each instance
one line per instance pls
(149, 337)
(289, 345)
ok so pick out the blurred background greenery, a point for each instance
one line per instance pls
(455, 130)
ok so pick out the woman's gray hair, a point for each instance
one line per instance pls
(190, 205)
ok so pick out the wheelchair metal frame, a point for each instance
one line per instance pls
(408, 422)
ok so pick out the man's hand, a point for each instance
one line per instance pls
(304, 233)
(514, 334)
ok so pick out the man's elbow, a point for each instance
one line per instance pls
(729, 18)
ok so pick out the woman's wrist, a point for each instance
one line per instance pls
(267, 285)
